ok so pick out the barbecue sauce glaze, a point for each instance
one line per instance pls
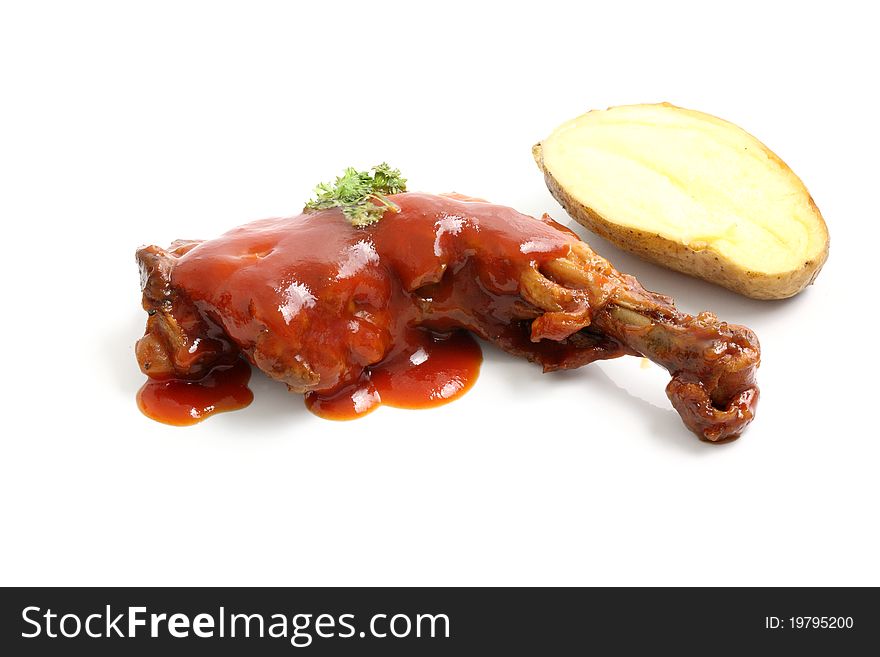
(352, 317)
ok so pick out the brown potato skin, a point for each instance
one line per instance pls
(705, 263)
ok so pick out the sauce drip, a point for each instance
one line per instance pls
(182, 403)
(428, 370)
(351, 317)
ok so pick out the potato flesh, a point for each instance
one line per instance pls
(691, 178)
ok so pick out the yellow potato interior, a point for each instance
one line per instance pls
(691, 178)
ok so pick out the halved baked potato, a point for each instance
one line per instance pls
(688, 191)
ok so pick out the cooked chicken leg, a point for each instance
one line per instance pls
(314, 302)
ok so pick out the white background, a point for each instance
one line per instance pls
(132, 123)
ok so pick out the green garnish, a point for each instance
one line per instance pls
(357, 193)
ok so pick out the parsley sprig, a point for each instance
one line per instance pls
(362, 195)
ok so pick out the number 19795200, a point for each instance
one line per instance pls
(810, 622)
(821, 622)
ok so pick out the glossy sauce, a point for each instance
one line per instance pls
(350, 317)
(182, 403)
(430, 370)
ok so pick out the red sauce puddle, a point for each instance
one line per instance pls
(182, 403)
(430, 370)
